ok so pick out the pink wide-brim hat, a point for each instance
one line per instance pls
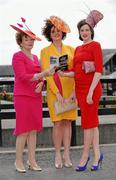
(29, 33)
(94, 17)
(60, 24)
(25, 29)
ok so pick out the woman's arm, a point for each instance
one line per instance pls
(39, 76)
(98, 57)
(43, 74)
(66, 74)
(94, 83)
(39, 87)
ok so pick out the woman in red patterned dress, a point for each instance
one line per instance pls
(88, 92)
(88, 63)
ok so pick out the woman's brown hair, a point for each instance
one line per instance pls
(46, 30)
(82, 23)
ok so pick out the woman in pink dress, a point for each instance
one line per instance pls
(27, 97)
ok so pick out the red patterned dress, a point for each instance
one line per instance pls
(89, 112)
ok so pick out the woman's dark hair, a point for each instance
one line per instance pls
(46, 30)
(82, 23)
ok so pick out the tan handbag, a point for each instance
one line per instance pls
(66, 106)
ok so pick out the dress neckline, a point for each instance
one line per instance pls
(29, 57)
(56, 50)
(87, 43)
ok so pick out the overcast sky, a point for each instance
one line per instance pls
(36, 11)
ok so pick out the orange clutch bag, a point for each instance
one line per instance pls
(66, 106)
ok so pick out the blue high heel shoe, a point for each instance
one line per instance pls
(83, 168)
(97, 167)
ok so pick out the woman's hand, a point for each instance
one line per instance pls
(39, 87)
(89, 99)
(41, 75)
(59, 97)
(61, 73)
(48, 72)
(72, 97)
(51, 71)
(37, 76)
(70, 74)
(94, 83)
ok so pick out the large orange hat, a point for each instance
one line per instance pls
(60, 24)
(25, 29)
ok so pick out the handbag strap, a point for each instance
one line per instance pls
(58, 82)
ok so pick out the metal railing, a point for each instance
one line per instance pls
(107, 106)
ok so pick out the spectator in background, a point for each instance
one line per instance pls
(4, 94)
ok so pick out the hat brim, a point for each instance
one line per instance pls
(60, 24)
(29, 33)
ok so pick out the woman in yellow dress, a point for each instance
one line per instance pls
(55, 31)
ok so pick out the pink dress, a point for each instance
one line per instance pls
(27, 103)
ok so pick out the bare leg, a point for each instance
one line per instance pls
(57, 139)
(95, 144)
(88, 138)
(20, 144)
(67, 140)
(31, 142)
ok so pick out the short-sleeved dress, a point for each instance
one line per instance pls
(68, 84)
(27, 103)
(88, 52)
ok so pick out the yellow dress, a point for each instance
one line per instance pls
(68, 84)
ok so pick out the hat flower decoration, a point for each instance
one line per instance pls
(22, 27)
(60, 24)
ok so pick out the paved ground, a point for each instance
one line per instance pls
(46, 161)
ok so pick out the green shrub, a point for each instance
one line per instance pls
(9, 97)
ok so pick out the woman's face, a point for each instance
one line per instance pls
(85, 33)
(27, 42)
(56, 35)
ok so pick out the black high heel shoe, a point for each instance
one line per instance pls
(97, 167)
(83, 168)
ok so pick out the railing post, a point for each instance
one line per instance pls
(73, 138)
(104, 102)
(0, 130)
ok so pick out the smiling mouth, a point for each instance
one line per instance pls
(84, 36)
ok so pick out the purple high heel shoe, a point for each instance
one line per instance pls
(83, 168)
(97, 167)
